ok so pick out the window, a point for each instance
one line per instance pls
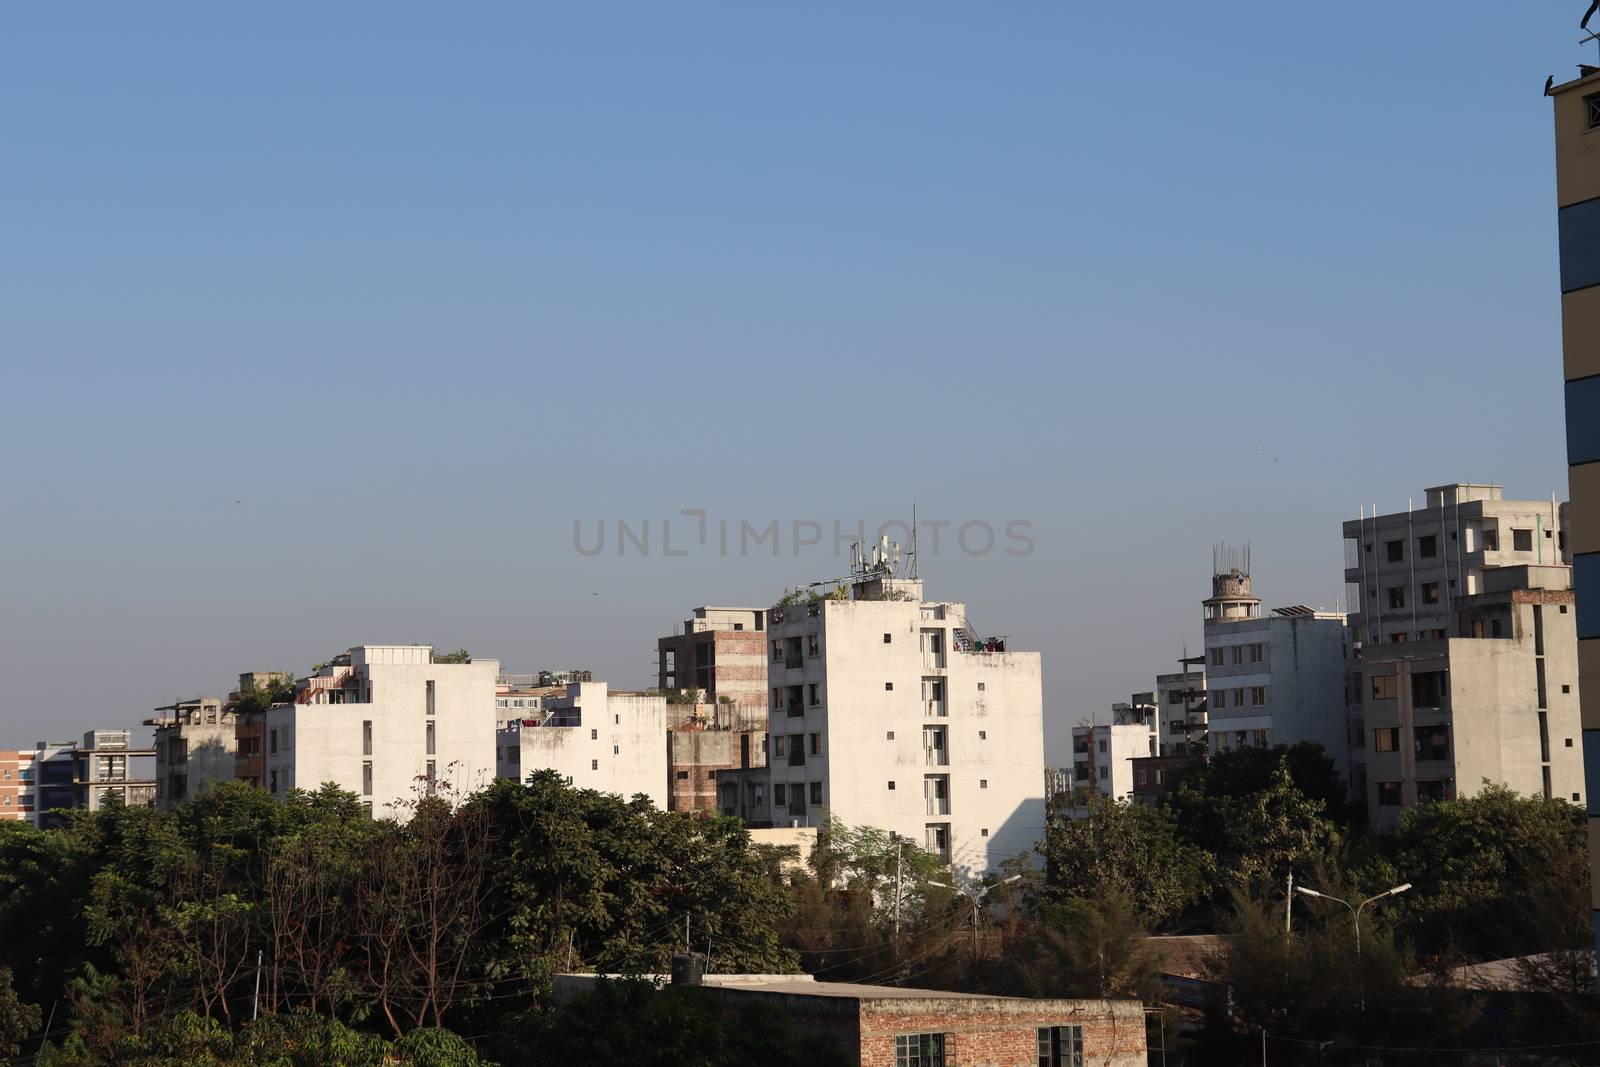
(980, 684)
(811, 695)
(366, 778)
(1394, 551)
(983, 832)
(1491, 539)
(1258, 695)
(1397, 596)
(1101, 744)
(1428, 689)
(616, 750)
(1389, 794)
(1220, 698)
(272, 781)
(432, 737)
(1385, 687)
(1061, 1046)
(816, 744)
(983, 783)
(1430, 592)
(886, 639)
(891, 786)
(1237, 654)
(1428, 546)
(366, 737)
(1258, 652)
(1104, 772)
(780, 793)
(983, 735)
(811, 645)
(1431, 790)
(889, 736)
(272, 741)
(431, 774)
(1216, 657)
(1431, 742)
(1386, 739)
(888, 687)
(919, 1050)
(1593, 110)
(683, 776)
(594, 765)
(816, 792)
(431, 696)
(1521, 540)
(777, 650)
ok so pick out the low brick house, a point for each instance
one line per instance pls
(888, 1026)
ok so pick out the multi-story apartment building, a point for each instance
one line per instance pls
(248, 704)
(1181, 710)
(104, 768)
(721, 653)
(389, 724)
(195, 746)
(1577, 117)
(1275, 679)
(890, 710)
(16, 785)
(1404, 572)
(1104, 754)
(1495, 700)
(1465, 642)
(595, 737)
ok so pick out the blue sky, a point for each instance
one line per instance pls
(323, 325)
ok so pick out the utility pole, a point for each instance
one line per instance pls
(255, 1002)
(1288, 904)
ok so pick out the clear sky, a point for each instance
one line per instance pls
(322, 324)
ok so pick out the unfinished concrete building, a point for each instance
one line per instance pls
(195, 743)
(715, 672)
(1465, 651)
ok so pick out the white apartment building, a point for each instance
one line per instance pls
(1103, 753)
(891, 711)
(1277, 679)
(388, 724)
(597, 738)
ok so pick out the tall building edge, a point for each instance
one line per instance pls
(1576, 106)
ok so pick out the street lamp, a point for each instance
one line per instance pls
(975, 898)
(1355, 914)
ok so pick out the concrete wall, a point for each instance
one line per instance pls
(619, 744)
(319, 743)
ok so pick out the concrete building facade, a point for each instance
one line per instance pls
(595, 737)
(105, 767)
(890, 710)
(1577, 117)
(195, 744)
(388, 724)
(1277, 679)
(1181, 710)
(1495, 700)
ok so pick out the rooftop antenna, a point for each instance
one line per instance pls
(1583, 24)
(911, 556)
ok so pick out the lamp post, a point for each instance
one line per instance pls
(1355, 915)
(975, 897)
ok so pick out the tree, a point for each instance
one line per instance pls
(1485, 869)
(17, 1020)
(1128, 849)
(460, 655)
(1268, 833)
(1091, 948)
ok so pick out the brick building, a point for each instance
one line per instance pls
(16, 784)
(722, 653)
(889, 1026)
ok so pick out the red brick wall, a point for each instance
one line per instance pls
(997, 1032)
